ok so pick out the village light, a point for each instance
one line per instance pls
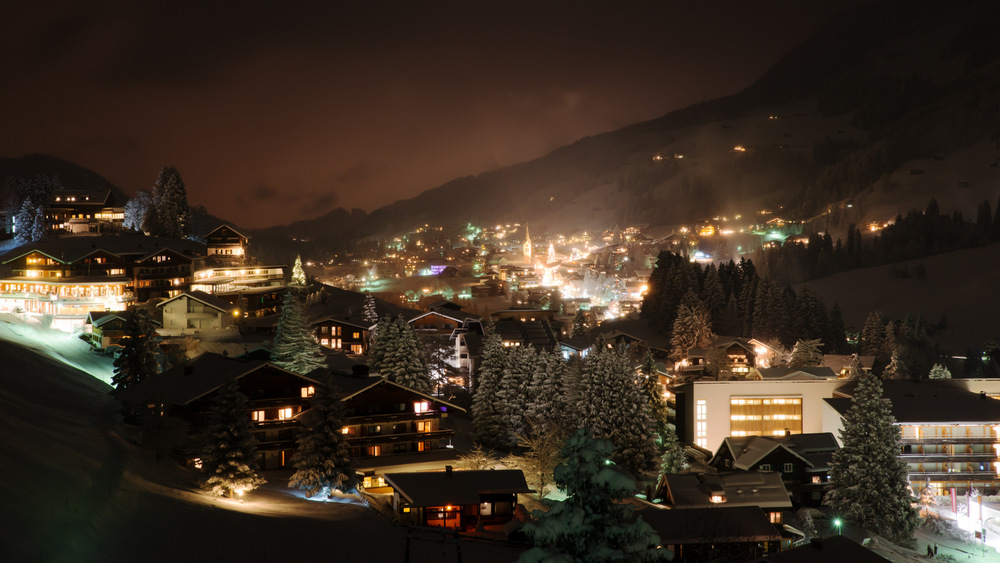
(837, 523)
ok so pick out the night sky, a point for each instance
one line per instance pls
(279, 111)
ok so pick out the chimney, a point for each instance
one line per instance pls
(447, 470)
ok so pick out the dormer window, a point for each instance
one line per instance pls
(421, 406)
(308, 391)
(717, 499)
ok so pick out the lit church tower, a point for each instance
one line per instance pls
(527, 245)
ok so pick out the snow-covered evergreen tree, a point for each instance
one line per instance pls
(658, 410)
(674, 459)
(896, 369)
(806, 353)
(512, 395)
(138, 356)
(692, 329)
(383, 337)
(322, 458)
(548, 406)
(869, 484)
(24, 222)
(298, 279)
(591, 524)
(857, 367)
(613, 407)
(295, 347)
(168, 214)
(402, 359)
(38, 226)
(873, 334)
(368, 312)
(806, 524)
(939, 372)
(230, 462)
(541, 453)
(486, 415)
(135, 210)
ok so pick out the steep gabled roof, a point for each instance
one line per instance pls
(195, 379)
(718, 524)
(457, 488)
(352, 386)
(739, 488)
(808, 373)
(206, 298)
(750, 450)
(225, 226)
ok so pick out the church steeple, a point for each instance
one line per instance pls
(527, 244)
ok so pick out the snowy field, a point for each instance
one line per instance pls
(73, 489)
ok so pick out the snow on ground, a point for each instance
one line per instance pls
(72, 489)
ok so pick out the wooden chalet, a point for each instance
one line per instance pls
(198, 310)
(226, 245)
(458, 500)
(802, 460)
(724, 533)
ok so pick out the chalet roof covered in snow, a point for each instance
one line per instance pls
(195, 379)
(813, 449)
(929, 401)
(442, 488)
(206, 298)
(770, 374)
(718, 524)
(738, 488)
(72, 248)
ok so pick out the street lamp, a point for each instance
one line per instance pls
(837, 523)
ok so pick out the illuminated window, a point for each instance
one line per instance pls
(776, 518)
(257, 416)
(421, 406)
(374, 450)
(701, 424)
(765, 416)
(816, 479)
(284, 414)
(717, 498)
(308, 391)
(345, 430)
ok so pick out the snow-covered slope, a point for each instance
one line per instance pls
(72, 489)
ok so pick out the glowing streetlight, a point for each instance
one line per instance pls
(837, 523)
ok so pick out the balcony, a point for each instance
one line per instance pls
(947, 440)
(950, 458)
(370, 439)
(955, 475)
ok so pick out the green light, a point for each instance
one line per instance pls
(837, 522)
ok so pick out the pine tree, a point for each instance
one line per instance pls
(658, 409)
(403, 360)
(592, 524)
(674, 459)
(613, 407)
(24, 222)
(295, 347)
(298, 274)
(806, 353)
(230, 462)
(869, 483)
(857, 368)
(383, 338)
(486, 415)
(895, 369)
(322, 458)
(512, 395)
(38, 226)
(873, 334)
(135, 210)
(548, 399)
(692, 329)
(168, 214)
(939, 372)
(138, 356)
(368, 312)
(808, 527)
